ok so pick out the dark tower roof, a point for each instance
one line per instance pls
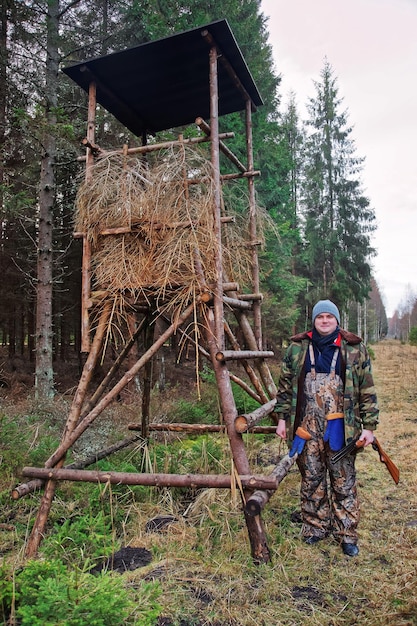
(165, 83)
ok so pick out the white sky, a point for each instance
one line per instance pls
(372, 48)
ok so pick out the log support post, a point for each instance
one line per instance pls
(43, 513)
(257, 501)
(256, 305)
(86, 260)
(215, 322)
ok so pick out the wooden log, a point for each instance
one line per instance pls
(147, 378)
(251, 296)
(215, 146)
(134, 226)
(199, 428)
(91, 129)
(46, 502)
(256, 532)
(154, 147)
(237, 355)
(237, 304)
(85, 296)
(25, 488)
(248, 369)
(227, 286)
(95, 149)
(119, 230)
(223, 59)
(245, 387)
(228, 153)
(253, 226)
(215, 481)
(251, 342)
(113, 393)
(257, 501)
(248, 420)
(248, 174)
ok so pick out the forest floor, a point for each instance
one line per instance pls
(202, 561)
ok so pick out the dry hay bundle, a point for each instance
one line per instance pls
(165, 204)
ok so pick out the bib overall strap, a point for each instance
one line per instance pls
(312, 362)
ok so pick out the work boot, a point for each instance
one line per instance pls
(350, 549)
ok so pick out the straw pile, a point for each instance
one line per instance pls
(166, 205)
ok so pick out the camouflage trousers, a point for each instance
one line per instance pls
(329, 499)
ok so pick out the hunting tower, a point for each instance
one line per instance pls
(165, 253)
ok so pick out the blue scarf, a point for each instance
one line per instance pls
(324, 347)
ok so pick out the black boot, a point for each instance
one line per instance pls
(350, 549)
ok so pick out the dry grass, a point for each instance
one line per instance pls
(168, 252)
(205, 568)
(168, 205)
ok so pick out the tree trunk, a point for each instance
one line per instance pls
(44, 376)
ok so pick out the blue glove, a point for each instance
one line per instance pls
(335, 431)
(301, 436)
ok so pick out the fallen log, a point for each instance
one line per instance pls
(220, 481)
(256, 502)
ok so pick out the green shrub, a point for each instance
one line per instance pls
(13, 444)
(49, 594)
(244, 403)
(6, 593)
(197, 412)
(194, 455)
(80, 537)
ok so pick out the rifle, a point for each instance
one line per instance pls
(355, 444)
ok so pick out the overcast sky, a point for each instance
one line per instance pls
(372, 48)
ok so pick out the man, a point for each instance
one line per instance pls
(326, 388)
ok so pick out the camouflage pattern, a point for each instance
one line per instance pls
(329, 500)
(360, 406)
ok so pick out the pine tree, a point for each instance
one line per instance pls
(338, 218)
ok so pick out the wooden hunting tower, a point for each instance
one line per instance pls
(160, 244)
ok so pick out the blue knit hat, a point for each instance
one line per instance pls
(326, 306)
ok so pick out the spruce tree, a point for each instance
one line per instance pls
(338, 219)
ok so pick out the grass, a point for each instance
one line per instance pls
(202, 560)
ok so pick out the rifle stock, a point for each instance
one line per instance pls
(384, 458)
(356, 443)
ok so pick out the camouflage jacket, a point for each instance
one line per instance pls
(360, 401)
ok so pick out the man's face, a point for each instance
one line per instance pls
(325, 323)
